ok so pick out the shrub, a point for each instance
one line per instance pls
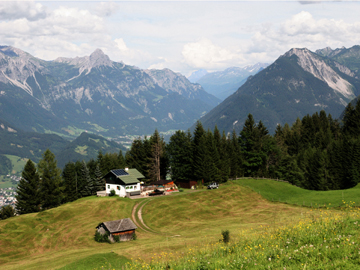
(116, 238)
(134, 236)
(226, 236)
(102, 238)
(181, 190)
(112, 193)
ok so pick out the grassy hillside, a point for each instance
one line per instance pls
(283, 192)
(63, 237)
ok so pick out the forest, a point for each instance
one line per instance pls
(315, 152)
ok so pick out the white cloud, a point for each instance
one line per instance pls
(29, 10)
(204, 54)
(106, 9)
(303, 30)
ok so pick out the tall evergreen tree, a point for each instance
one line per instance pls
(157, 152)
(70, 180)
(28, 199)
(235, 157)
(180, 156)
(199, 152)
(50, 176)
(87, 190)
(98, 180)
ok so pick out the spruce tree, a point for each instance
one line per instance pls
(69, 175)
(157, 152)
(99, 181)
(199, 152)
(50, 176)
(87, 190)
(28, 198)
(180, 156)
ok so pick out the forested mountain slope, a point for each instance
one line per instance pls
(298, 83)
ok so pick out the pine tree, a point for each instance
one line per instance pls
(199, 152)
(235, 156)
(180, 156)
(87, 190)
(157, 152)
(69, 175)
(99, 181)
(28, 199)
(50, 176)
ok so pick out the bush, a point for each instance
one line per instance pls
(134, 236)
(116, 238)
(7, 212)
(181, 190)
(102, 238)
(112, 193)
(226, 236)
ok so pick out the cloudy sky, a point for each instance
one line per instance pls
(181, 35)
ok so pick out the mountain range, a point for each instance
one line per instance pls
(31, 145)
(298, 83)
(70, 95)
(222, 84)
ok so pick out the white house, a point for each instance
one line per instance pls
(125, 182)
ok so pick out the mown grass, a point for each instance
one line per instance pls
(283, 192)
(98, 261)
(323, 240)
(189, 225)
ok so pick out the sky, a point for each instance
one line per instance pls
(183, 36)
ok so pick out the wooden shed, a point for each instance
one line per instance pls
(187, 183)
(124, 228)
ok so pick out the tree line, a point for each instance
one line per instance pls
(315, 152)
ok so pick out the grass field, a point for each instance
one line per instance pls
(283, 192)
(185, 224)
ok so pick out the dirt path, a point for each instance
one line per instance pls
(141, 219)
(133, 216)
(138, 212)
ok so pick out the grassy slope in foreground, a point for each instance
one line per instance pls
(64, 235)
(280, 191)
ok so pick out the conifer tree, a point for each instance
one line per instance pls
(70, 180)
(87, 190)
(235, 157)
(99, 182)
(157, 152)
(199, 152)
(28, 199)
(180, 156)
(50, 176)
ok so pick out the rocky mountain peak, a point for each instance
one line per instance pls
(315, 65)
(99, 58)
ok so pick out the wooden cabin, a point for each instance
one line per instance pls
(124, 228)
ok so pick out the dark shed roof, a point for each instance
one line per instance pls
(120, 225)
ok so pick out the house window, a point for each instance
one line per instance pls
(108, 186)
(134, 187)
(118, 187)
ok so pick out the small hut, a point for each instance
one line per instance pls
(124, 228)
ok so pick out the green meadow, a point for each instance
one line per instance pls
(184, 231)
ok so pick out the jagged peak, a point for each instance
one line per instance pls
(298, 52)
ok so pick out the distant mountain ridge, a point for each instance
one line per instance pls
(71, 95)
(298, 83)
(222, 84)
(31, 145)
